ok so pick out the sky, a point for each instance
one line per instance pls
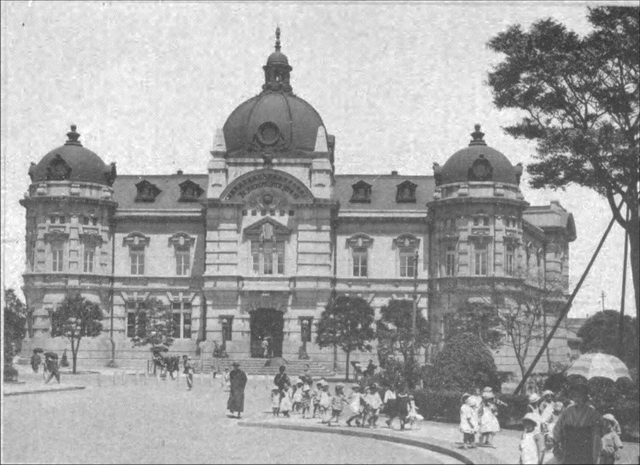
(400, 86)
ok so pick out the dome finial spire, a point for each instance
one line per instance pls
(277, 38)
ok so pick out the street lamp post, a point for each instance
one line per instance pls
(415, 301)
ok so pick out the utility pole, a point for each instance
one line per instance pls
(415, 304)
(622, 299)
(603, 301)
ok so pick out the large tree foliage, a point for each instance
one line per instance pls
(580, 97)
(153, 323)
(14, 325)
(76, 318)
(347, 323)
(394, 332)
(463, 364)
(600, 334)
(479, 318)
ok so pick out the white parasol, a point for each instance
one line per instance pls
(599, 365)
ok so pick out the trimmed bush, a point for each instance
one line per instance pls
(438, 405)
(10, 374)
(510, 415)
(463, 364)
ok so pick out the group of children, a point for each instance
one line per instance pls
(362, 408)
(479, 415)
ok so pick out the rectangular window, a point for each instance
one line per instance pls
(131, 324)
(227, 328)
(181, 320)
(450, 261)
(137, 260)
(268, 257)
(94, 221)
(360, 261)
(509, 261)
(32, 257)
(183, 261)
(407, 264)
(481, 256)
(485, 221)
(57, 257)
(89, 255)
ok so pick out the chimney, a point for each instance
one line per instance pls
(394, 173)
(179, 172)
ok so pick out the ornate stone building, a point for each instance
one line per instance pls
(254, 246)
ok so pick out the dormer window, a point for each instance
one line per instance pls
(190, 191)
(406, 192)
(361, 192)
(147, 192)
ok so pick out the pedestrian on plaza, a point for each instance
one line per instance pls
(546, 408)
(281, 378)
(315, 398)
(389, 398)
(336, 403)
(533, 407)
(36, 360)
(396, 406)
(578, 429)
(306, 401)
(531, 452)
(306, 375)
(374, 403)
(324, 403)
(51, 362)
(226, 383)
(64, 361)
(265, 348)
(188, 371)
(468, 421)
(489, 424)
(275, 400)
(355, 405)
(238, 381)
(611, 443)
(297, 396)
(285, 400)
(413, 412)
(476, 402)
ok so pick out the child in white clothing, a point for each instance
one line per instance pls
(275, 400)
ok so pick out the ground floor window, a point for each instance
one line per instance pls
(181, 320)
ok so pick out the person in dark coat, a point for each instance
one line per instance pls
(35, 361)
(281, 378)
(238, 380)
(51, 361)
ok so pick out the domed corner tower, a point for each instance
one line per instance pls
(476, 223)
(69, 209)
(274, 130)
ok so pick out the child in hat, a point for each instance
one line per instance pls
(336, 403)
(285, 401)
(315, 398)
(611, 443)
(468, 421)
(413, 412)
(355, 407)
(275, 400)
(531, 451)
(297, 396)
(374, 402)
(325, 402)
(489, 424)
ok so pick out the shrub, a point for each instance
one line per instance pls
(555, 382)
(438, 405)
(463, 364)
(516, 407)
(10, 374)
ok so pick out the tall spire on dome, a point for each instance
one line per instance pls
(277, 69)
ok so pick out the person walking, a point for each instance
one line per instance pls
(36, 360)
(281, 378)
(238, 380)
(51, 362)
(188, 371)
(578, 429)
(265, 347)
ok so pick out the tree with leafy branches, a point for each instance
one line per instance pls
(580, 97)
(153, 323)
(347, 323)
(600, 334)
(76, 318)
(15, 315)
(394, 333)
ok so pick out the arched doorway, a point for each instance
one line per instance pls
(266, 323)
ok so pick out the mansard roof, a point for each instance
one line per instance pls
(125, 192)
(383, 191)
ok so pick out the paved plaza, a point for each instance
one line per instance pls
(124, 418)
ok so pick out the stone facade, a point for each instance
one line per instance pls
(256, 245)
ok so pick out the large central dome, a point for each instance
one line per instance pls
(275, 119)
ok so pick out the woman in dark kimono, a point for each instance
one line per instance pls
(238, 380)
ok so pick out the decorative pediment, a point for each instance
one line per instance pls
(136, 239)
(58, 169)
(181, 239)
(361, 192)
(481, 170)
(147, 192)
(360, 240)
(406, 241)
(259, 183)
(267, 229)
(406, 192)
(190, 191)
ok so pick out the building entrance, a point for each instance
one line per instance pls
(266, 324)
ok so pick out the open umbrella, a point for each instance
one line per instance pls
(599, 365)
(159, 349)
